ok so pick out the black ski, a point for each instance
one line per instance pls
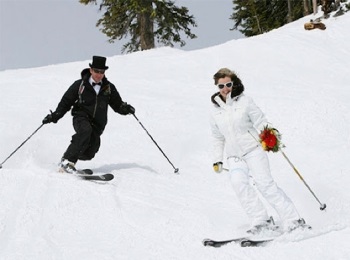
(243, 242)
(86, 171)
(255, 243)
(99, 177)
(87, 174)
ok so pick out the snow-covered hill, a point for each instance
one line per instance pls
(300, 80)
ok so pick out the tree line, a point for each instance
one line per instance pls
(146, 22)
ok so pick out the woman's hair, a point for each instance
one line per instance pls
(237, 88)
(222, 73)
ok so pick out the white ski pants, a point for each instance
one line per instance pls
(256, 165)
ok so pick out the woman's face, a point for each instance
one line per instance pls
(225, 88)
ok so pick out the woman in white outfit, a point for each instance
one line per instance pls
(236, 123)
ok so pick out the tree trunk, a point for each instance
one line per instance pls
(306, 7)
(290, 17)
(314, 6)
(146, 26)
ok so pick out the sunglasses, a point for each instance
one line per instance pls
(99, 71)
(228, 84)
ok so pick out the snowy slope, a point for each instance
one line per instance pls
(299, 78)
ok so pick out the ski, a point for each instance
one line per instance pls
(214, 243)
(86, 171)
(88, 174)
(255, 243)
(243, 242)
(97, 177)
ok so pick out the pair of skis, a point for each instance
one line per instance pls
(88, 174)
(249, 241)
(243, 242)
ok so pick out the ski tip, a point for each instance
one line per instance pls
(211, 243)
(207, 242)
(109, 176)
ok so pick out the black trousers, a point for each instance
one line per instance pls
(85, 142)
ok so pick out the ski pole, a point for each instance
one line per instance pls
(323, 206)
(176, 170)
(20, 145)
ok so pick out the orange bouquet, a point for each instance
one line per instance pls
(270, 139)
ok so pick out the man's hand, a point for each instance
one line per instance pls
(51, 118)
(126, 109)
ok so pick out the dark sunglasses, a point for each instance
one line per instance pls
(99, 71)
(228, 84)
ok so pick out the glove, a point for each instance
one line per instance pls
(217, 167)
(51, 118)
(126, 109)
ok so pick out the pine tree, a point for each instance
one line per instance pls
(144, 22)
(253, 17)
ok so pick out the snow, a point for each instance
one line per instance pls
(300, 80)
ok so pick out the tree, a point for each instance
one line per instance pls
(307, 6)
(253, 17)
(144, 21)
(290, 15)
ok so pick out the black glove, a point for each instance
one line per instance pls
(51, 118)
(126, 109)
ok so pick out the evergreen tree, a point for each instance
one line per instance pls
(144, 21)
(253, 17)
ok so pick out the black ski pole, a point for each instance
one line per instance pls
(323, 206)
(176, 170)
(20, 145)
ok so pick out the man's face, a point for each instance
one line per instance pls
(97, 74)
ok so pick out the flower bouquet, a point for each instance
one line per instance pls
(270, 139)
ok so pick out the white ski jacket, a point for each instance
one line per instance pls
(233, 125)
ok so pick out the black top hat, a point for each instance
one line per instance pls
(98, 63)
